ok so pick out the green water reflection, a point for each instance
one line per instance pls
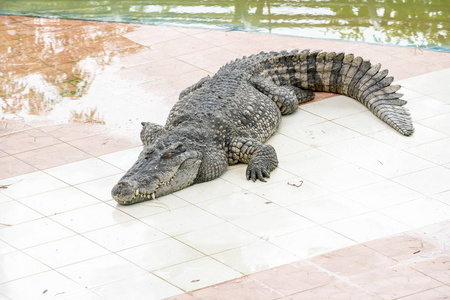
(424, 23)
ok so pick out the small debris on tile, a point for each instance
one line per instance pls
(296, 185)
(5, 186)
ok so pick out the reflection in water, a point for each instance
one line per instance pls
(43, 61)
(87, 116)
(403, 22)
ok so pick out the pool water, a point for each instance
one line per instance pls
(418, 23)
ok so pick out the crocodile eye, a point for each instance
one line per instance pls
(167, 154)
(174, 150)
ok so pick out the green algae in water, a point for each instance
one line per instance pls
(422, 23)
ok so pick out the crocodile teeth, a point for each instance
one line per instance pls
(154, 195)
(137, 192)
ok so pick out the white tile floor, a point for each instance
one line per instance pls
(344, 178)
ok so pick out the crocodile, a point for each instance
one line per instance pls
(225, 119)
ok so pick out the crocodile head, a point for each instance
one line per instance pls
(162, 168)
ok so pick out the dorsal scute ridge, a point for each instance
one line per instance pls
(346, 64)
(379, 85)
(353, 69)
(328, 65)
(373, 70)
(372, 103)
(363, 68)
(320, 67)
(336, 72)
(313, 81)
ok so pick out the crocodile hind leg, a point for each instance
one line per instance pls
(286, 97)
(261, 158)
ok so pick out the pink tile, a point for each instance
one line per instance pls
(73, 131)
(439, 293)
(150, 35)
(336, 291)
(12, 126)
(271, 42)
(142, 57)
(353, 261)
(291, 279)
(165, 68)
(103, 144)
(266, 42)
(395, 282)
(26, 140)
(403, 247)
(172, 99)
(213, 69)
(244, 48)
(11, 166)
(52, 156)
(190, 44)
(220, 37)
(182, 297)
(242, 288)
(436, 267)
(209, 57)
(161, 88)
(190, 30)
(183, 81)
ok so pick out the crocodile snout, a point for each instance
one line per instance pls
(123, 192)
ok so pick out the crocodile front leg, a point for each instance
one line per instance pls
(261, 158)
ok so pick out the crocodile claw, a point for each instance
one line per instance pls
(254, 173)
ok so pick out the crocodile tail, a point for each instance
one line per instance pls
(347, 75)
(358, 78)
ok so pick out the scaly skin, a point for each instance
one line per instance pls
(225, 119)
